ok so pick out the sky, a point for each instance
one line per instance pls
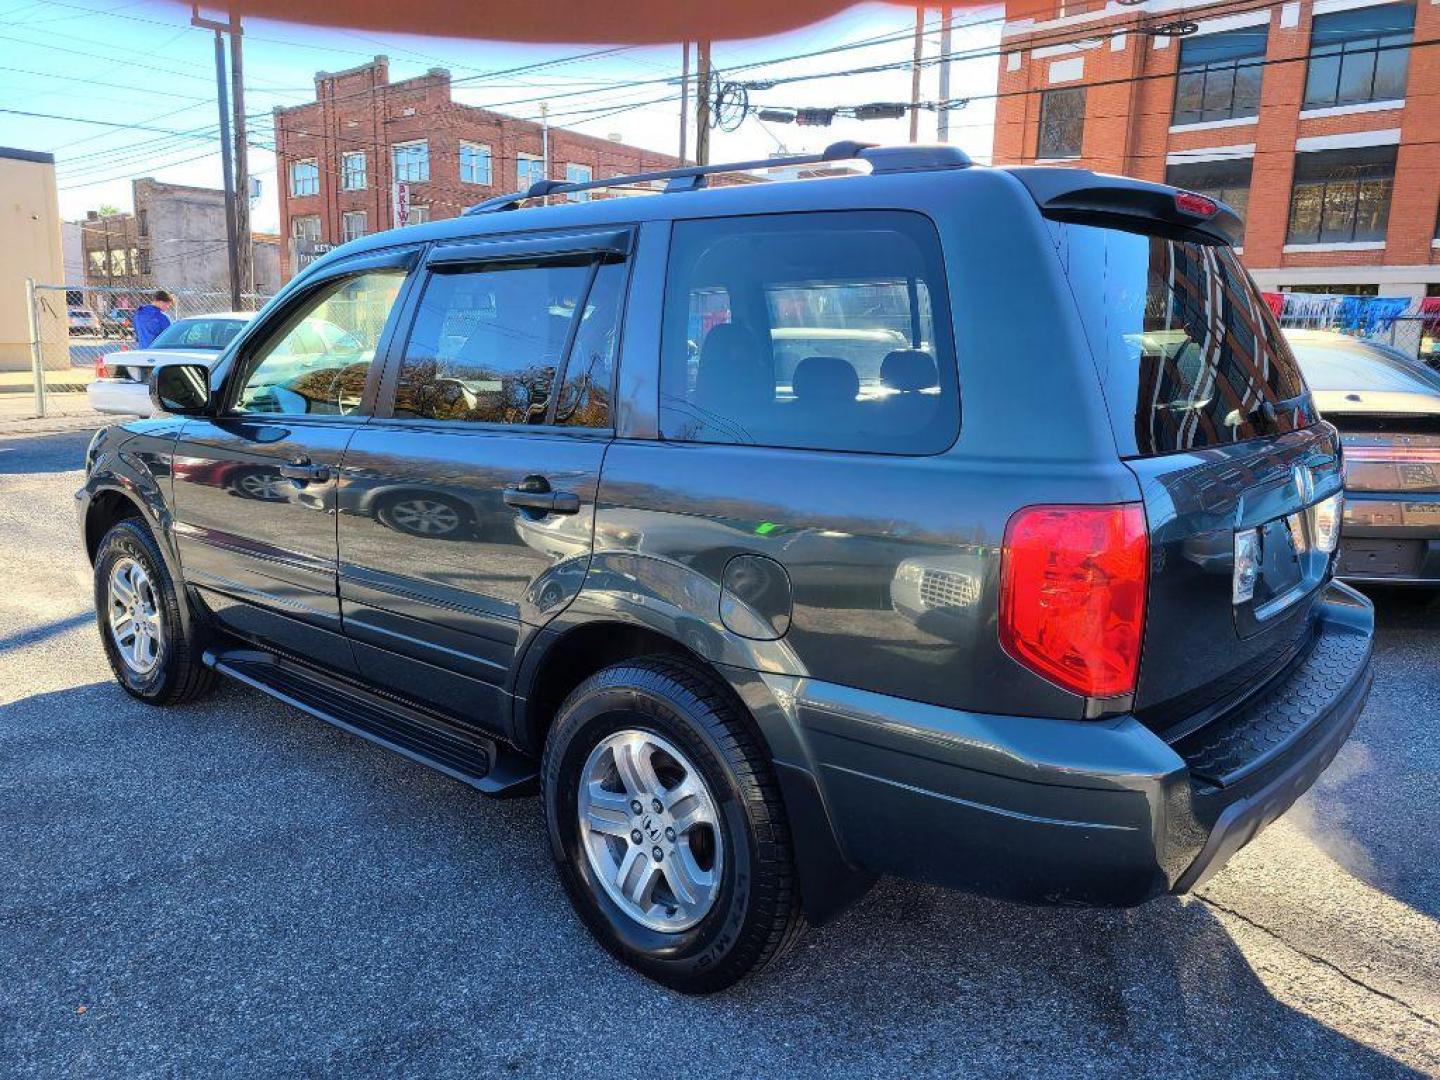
(126, 88)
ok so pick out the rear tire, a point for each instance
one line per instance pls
(154, 658)
(710, 767)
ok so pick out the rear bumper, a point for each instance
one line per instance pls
(1391, 539)
(1056, 811)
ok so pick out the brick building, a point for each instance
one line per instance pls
(1333, 160)
(341, 157)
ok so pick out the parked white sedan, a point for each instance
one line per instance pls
(122, 382)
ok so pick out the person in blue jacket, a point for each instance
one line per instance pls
(151, 320)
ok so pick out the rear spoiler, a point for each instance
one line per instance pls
(1090, 198)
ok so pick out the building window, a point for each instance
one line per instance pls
(1341, 196)
(1359, 56)
(142, 222)
(1062, 122)
(528, 170)
(578, 174)
(117, 263)
(98, 265)
(418, 215)
(412, 161)
(352, 170)
(306, 229)
(142, 264)
(304, 177)
(474, 163)
(1219, 76)
(352, 225)
(1227, 181)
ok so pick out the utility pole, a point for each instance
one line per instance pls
(684, 95)
(942, 118)
(545, 140)
(702, 103)
(915, 75)
(245, 249)
(227, 166)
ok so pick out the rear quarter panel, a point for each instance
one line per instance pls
(845, 526)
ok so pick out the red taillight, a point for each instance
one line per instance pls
(1188, 202)
(1072, 594)
(101, 371)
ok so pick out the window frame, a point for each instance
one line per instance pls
(489, 158)
(942, 320)
(1230, 65)
(495, 251)
(408, 144)
(346, 172)
(236, 358)
(295, 193)
(1341, 44)
(578, 196)
(534, 159)
(364, 217)
(1324, 186)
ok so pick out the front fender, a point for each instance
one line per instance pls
(134, 463)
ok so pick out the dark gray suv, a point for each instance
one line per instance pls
(969, 525)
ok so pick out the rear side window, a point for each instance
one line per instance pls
(826, 331)
(1190, 354)
(489, 344)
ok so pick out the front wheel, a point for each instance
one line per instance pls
(154, 656)
(667, 825)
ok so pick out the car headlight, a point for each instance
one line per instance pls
(1325, 518)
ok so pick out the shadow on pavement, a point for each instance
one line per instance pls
(233, 886)
(49, 452)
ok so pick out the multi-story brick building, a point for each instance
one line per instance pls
(1319, 120)
(342, 157)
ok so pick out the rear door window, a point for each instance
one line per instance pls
(1190, 354)
(490, 344)
(825, 331)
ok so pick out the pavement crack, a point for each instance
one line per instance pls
(1322, 961)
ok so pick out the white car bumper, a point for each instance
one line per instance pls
(120, 396)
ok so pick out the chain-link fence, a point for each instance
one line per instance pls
(73, 329)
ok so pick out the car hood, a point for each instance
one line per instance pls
(1370, 402)
(135, 357)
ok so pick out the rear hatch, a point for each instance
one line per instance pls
(1238, 475)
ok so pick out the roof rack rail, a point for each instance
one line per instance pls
(882, 159)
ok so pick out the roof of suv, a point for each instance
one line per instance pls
(1062, 193)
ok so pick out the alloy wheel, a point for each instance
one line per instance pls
(651, 830)
(136, 626)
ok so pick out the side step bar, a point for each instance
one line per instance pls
(431, 740)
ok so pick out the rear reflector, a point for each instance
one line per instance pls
(1188, 202)
(1072, 594)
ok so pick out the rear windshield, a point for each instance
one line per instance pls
(1189, 353)
(1350, 366)
(198, 334)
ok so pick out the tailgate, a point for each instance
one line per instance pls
(1210, 411)
(1204, 648)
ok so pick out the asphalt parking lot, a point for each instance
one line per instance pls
(234, 888)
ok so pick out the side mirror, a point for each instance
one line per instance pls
(181, 389)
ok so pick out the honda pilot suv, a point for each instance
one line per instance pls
(1019, 582)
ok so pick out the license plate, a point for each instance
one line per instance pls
(1415, 513)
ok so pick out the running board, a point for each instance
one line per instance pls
(431, 740)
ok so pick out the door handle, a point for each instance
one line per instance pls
(533, 494)
(303, 471)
